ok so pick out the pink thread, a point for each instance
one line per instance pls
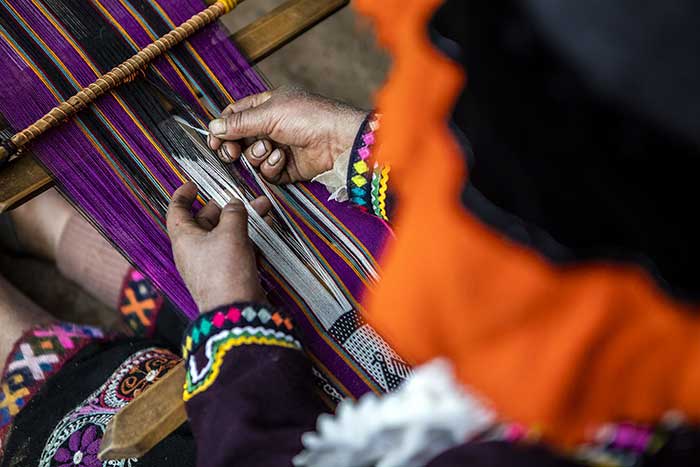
(234, 314)
(625, 436)
(137, 276)
(515, 432)
(219, 319)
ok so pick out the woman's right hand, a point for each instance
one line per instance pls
(289, 134)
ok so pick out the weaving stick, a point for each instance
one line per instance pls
(114, 78)
(146, 420)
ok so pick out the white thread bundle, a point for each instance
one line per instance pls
(280, 243)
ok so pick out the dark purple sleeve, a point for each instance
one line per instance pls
(249, 390)
(500, 454)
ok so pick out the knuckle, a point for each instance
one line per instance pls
(266, 95)
(179, 200)
(235, 206)
(235, 121)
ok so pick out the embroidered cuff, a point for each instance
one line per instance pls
(214, 334)
(367, 180)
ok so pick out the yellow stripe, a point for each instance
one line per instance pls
(116, 24)
(328, 374)
(167, 57)
(383, 186)
(320, 256)
(196, 55)
(77, 85)
(221, 353)
(320, 332)
(47, 48)
(340, 225)
(60, 30)
(39, 74)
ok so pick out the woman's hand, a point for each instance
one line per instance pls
(290, 135)
(212, 250)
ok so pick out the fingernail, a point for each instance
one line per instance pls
(217, 127)
(274, 157)
(235, 202)
(259, 149)
(209, 139)
(225, 155)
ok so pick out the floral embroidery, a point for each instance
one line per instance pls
(367, 182)
(76, 438)
(80, 449)
(213, 334)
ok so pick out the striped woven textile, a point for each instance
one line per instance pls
(113, 162)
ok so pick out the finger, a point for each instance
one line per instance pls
(273, 167)
(180, 208)
(247, 103)
(248, 123)
(269, 220)
(229, 151)
(257, 152)
(208, 216)
(234, 220)
(262, 205)
(214, 142)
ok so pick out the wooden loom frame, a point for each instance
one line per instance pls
(24, 178)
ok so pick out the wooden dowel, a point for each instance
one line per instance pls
(146, 420)
(114, 78)
(25, 178)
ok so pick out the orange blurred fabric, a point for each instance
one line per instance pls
(559, 349)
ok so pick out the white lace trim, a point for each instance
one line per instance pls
(335, 180)
(428, 415)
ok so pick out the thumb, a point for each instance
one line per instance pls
(249, 123)
(234, 220)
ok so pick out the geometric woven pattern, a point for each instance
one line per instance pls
(139, 304)
(40, 353)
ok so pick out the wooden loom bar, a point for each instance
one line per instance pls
(25, 178)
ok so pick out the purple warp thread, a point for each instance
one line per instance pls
(83, 175)
(85, 172)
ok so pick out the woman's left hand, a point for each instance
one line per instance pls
(212, 250)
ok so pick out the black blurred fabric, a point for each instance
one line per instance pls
(551, 147)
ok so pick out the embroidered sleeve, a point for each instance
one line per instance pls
(249, 389)
(368, 180)
(214, 335)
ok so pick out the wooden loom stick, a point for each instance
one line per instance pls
(25, 178)
(146, 420)
(112, 79)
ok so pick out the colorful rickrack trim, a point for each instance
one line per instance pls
(611, 445)
(214, 334)
(623, 444)
(139, 304)
(367, 181)
(38, 355)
